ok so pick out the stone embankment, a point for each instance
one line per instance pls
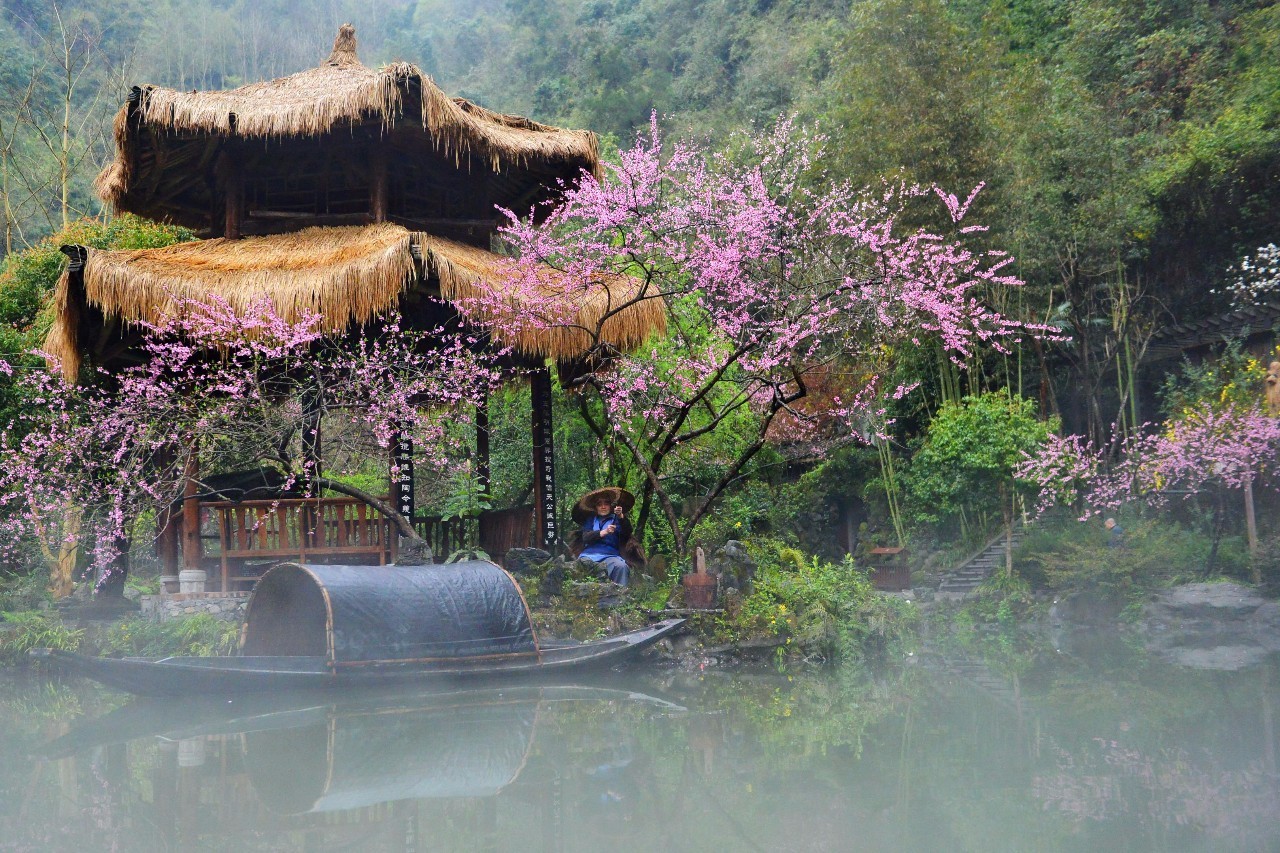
(1222, 626)
(228, 607)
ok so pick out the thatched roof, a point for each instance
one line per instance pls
(167, 141)
(348, 275)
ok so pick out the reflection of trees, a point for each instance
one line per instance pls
(1167, 789)
(918, 759)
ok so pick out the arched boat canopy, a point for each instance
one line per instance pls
(354, 615)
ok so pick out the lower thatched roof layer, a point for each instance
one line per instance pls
(347, 275)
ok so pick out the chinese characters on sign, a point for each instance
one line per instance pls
(544, 470)
(403, 486)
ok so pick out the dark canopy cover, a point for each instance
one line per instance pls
(359, 614)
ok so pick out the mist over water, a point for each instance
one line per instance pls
(1099, 747)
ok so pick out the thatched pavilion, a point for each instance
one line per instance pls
(341, 190)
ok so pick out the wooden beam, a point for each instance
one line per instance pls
(231, 176)
(546, 533)
(482, 443)
(379, 203)
(253, 226)
(192, 547)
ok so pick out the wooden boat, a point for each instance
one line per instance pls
(327, 627)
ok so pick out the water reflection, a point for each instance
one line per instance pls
(1105, 749)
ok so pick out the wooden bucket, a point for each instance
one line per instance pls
(700, 591)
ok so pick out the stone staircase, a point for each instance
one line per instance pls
(969, 575)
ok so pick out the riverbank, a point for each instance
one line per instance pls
(802, 612)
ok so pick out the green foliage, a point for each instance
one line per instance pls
(829, 611)
(965, 468)
(1233, 377)
(1067, 554)
(466, 497)
(36, 629)
(199, 635)
(26, 591)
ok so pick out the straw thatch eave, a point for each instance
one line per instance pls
(338, 95)
(348, 275)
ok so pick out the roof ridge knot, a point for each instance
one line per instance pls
(344, 48)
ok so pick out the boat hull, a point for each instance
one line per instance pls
(178, 676)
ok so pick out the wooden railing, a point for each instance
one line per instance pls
(240, 540)
(495, 532)
(446, 536)
(326, 530)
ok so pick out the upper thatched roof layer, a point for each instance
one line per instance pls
(348, 275)
(340, 92)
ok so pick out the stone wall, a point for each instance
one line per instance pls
(226, 606)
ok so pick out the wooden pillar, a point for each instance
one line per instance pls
(312, 447)
(230, 174)
(546, 532)
(402, 478)
(482, 443)
(167, 547)
(192, 548)
(379, 204)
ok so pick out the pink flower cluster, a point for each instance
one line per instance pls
(234, 387)
(1207, 446)
(768, 274)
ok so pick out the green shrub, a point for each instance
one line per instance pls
(200, 635)
(36, 629)
(830, 611)
(1071, 555)
(27, 591)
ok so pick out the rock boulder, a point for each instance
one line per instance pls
(734, 566)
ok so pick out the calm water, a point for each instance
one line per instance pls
(1100, 750)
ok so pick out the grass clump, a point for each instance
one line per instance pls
(198, 635)
(36, 629)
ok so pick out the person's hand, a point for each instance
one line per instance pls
(608, 528)
(618, 512)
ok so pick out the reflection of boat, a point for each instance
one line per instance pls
(334, 626)
(350, 754)
(202, 716)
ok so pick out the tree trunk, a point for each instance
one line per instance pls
(64, 568)
(1251, 527)
(1007, 506)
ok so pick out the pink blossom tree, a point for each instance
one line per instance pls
(228, 389)
(770, 275)
(1208, 450)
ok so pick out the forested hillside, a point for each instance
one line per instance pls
(1120, 139)
(1130, 148)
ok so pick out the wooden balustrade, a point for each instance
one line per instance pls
(495, 532)
(445, 535)
(323, 530)
(240, 540)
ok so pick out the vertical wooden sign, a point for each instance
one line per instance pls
(402, 486)
(547, 533)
